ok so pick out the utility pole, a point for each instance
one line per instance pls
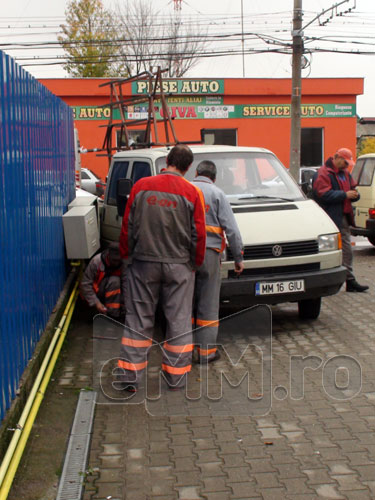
(243, 42)
(295, 127)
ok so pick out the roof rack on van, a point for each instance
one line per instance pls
(146, 125)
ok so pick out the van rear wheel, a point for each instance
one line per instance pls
(371, 239)
(309, 308)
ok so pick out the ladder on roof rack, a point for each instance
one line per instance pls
(155, 92)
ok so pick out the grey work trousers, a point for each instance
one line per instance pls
(146, 282)
(206, 305)
(109, 294)
(347, 250)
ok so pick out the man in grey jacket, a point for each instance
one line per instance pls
(220, 221)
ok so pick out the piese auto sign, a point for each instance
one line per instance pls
(207, 107)
(180, 87)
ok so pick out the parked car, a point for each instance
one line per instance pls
(364, 208)
(292, 248)
(91, 182)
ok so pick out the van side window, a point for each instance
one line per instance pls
(140, 169)
(367, 173)
(356, 172)
(119, 171)
(84, 175)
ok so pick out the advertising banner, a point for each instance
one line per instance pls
(212, 107)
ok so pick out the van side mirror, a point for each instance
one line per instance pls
(123, 189)
(305, 187)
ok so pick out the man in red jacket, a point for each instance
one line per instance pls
(334, 190)
(163, 237)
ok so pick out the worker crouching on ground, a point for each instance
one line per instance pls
(101, 282)
(163, 235)
(220, 221)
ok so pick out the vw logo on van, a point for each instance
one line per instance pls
(277, 250)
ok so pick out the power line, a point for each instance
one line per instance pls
(167, 56)
(269, 29)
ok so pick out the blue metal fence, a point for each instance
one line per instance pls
(36, 185)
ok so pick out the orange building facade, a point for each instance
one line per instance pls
(238, 111)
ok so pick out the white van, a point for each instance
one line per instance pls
(364, 208)
(292, 248)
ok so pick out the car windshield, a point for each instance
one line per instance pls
(250, 177)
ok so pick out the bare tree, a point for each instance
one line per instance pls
(151, 39)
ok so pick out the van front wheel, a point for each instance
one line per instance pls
(310, 308)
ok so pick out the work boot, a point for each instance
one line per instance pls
(353, 286)
(176, 387)
(204, 361)
(125, 386)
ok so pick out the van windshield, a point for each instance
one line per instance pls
(247, 177)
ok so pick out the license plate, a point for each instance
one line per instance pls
(276, 287)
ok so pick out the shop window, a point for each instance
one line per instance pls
(135, 136)
(225, 136)
(311, 147)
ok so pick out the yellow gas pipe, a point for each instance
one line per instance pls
(17, 445)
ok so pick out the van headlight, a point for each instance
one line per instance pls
(329, 242)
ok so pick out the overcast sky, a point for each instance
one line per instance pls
(270, 18)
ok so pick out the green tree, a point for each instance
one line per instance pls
(366, 145)
(89, 41)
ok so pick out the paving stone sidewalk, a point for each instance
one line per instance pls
(313, 441)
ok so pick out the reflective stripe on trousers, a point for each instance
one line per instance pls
(206, 305)
(110, 295)
(145, 283)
